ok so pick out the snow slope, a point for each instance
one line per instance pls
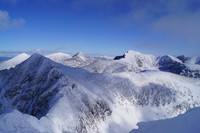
(60, 99)
(59, 57)
(13, 61)
(130, 62)
(138, 59)
(185, 123)
(78, 60)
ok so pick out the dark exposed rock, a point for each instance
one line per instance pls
(119, 57)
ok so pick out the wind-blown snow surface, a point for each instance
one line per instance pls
(13, 61)
(185, 123)
(57, 98)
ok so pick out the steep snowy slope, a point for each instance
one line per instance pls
(72, 100)
(185, 123)
(13, 61)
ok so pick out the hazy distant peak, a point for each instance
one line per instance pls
(168, 58)
(58, 56)
(21, 55)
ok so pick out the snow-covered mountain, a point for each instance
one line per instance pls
(79, 60)
(182, 65)
(130, 62)
(142, 61)
(193, 63)
(55, 98)
(13, 61)
(134, 62)
(189, 60)
(185, 123)
(59, 57)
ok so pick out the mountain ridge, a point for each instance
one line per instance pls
(80, 101)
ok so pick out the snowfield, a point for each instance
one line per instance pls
(75, 95)
(185, 123)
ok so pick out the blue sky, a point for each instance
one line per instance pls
(107, 27)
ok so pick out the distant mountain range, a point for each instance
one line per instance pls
(60, 93)
(129, 62)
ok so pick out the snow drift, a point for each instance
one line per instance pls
(185, 123)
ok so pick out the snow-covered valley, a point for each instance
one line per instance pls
(60, 93)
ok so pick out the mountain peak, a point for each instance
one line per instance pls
(22, 55)
(35, 59)
(168, 59)
(14, 61)
(36, 55)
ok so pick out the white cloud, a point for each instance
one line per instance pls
(6, 22)
(176, 19)
(185, 26)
